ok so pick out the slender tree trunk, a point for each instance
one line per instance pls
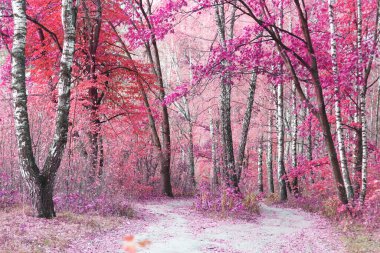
(260, 166)
(361, 156)
(363, 190)
(310, 151)
(228, 153)
(93, 156)
(321, 109)
(101, 156)
(377, 114)
(91, 33)
(165, 147)
(225, 113)
(280, 144)
(28, 167)
(311, 64)
(330, 146)
(40, 183)
(294, 140)
(186, 113)
(357, 160)
(191, 154)
(269, 157)
(339, 128)
(214, 155)
(246, 123)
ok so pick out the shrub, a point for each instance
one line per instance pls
(102, 205)
(330, 207)
(273, 198)
(251, 203)
(225, 201)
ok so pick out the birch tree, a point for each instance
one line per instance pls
(214, 151)
(294, 139)
(311, 66)
(260, 166)
(364, 71)
(280, 142)
(339, 127)
(246, 123)
(225, 103)
(269, 162)
(40, 182)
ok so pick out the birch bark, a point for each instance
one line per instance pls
(246, 123)
(339, 128)
(225, 105)
(269, 157)
(260, 166)
(294, 139)
(214, 155)
(41, 182)
(280, 143)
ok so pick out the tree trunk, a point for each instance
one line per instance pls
(280, 144)
(269, 157)
(41, 183)
(154, 59)
(377, 114)
(186, 113)
(310, 152)
(191, 155)
(92, 29)
(260, 166)
(45, 198)
(228, 150)
(339, 128)
(225, 113)
(166, 146)
(214, 153)
(246, 123)
(101, 157)
(363, 190)
(294, 140)
(321, 109)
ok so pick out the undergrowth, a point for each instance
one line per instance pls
(226, 202)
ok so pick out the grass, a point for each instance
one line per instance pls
(358, 239)
(356, 236)
(20, 232)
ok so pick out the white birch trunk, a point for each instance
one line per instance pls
(362, 100)
(214, 155)
(294, 139)
(225, 102)
(41, 183)
(339, 128)
(269, 157)
(363, 190)
(260, 166)
(280, 143)
(377, 114)
(28, 167)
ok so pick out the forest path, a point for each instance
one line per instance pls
(173, 226)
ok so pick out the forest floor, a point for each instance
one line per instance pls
(173, 226)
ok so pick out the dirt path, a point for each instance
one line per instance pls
(177, 228)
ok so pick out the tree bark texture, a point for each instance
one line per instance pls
(40, 183)
(269, 157)
(246, 124)
(339, 127)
